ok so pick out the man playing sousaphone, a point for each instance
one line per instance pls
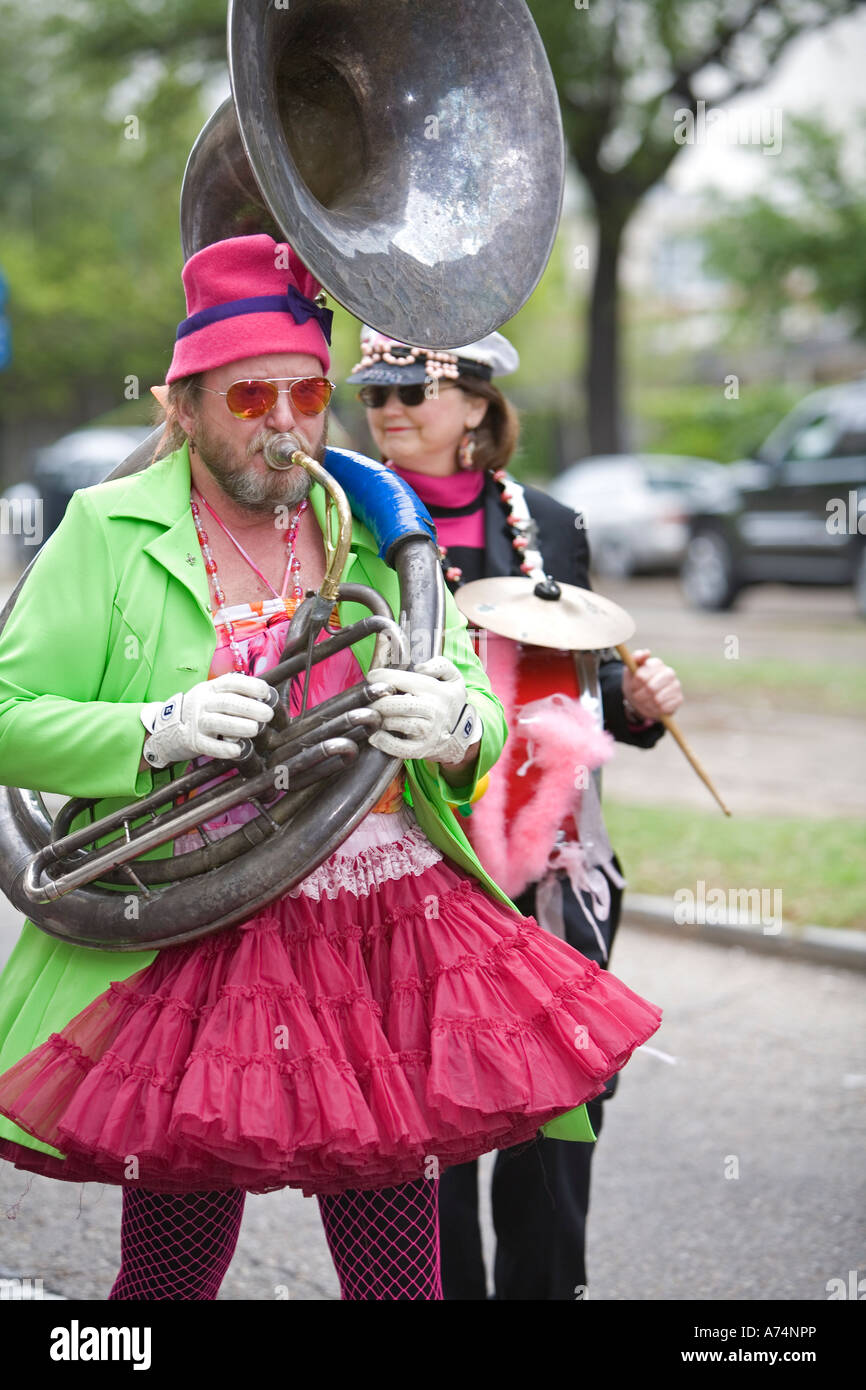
(392, 1014)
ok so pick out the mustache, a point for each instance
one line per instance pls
(259, 440)
(261, 437)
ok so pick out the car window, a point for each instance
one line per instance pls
(815, 440)
(852, 434)
(851, 443)
(775, 446)
(601, 481)
(670, 482)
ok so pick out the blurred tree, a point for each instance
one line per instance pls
(625, 70)
(698, 420)
(93, 153)
(800, 242)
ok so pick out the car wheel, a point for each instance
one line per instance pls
(708, 573)
(860, 583)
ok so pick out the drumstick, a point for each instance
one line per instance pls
(671, 726)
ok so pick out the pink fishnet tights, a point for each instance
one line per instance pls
(176, 1245)
(384, 1244)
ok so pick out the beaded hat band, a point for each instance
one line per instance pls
(385, 362)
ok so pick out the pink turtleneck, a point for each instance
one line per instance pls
(458, 490)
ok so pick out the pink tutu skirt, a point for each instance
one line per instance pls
(399, 1022)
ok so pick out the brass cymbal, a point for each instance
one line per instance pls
(569, 618)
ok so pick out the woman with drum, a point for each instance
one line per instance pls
(446, 429)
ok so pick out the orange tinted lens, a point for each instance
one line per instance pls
(311, 395)
(247, 399)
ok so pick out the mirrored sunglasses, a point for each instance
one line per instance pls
(247, 400)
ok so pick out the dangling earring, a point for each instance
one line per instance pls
(192, 444)
(466, 450)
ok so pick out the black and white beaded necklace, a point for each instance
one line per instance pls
(521, 526)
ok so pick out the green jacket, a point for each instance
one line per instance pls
(114, 613)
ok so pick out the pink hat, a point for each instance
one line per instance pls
(246, 297)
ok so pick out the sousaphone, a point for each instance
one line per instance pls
(413, 156)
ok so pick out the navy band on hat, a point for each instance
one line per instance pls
(293, 302)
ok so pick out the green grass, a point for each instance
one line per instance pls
(785, 684)
(818, 865)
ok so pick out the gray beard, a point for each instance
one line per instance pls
(255, 492)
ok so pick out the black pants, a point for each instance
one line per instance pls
(540, 1190)
(540, 1198)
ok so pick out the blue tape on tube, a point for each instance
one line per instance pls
(383, 502)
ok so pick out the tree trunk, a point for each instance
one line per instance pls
(604, 419)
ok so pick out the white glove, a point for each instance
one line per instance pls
(430, 717)
(206, 719)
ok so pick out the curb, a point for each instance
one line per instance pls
(825, 945)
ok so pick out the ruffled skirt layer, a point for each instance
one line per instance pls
(360, 1040)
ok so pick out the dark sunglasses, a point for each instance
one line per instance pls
(374, 397)
(247, 400)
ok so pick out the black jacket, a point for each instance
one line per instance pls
(564, 546)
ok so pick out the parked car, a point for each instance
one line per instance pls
(637, 507)
(797, 512)
(78, 460)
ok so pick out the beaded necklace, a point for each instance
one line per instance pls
(293, 571)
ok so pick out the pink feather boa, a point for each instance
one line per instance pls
(561, 738)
